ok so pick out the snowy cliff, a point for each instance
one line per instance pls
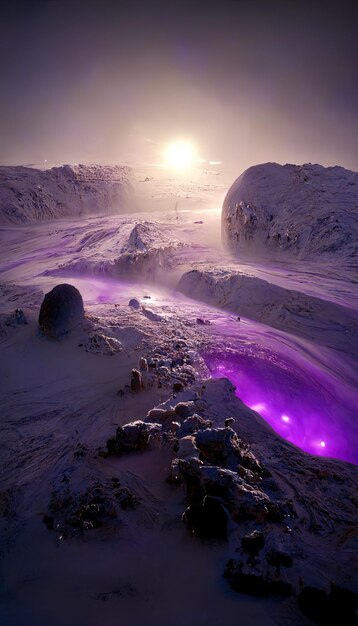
(31, 195)
(305, 210)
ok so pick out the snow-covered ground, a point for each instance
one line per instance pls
(292, 357)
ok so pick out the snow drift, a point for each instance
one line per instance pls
(288, 310)
(132, 250)
(30, 195)
(305, 210)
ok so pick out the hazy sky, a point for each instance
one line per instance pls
(247, 81)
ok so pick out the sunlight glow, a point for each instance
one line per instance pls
(179, 155)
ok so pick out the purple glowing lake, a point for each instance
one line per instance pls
(304, 405)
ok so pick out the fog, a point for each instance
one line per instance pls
(114, 82)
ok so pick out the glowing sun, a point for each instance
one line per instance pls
(180, 154)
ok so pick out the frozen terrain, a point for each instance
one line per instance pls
(31, 195)
(308, 211)
(91, 516)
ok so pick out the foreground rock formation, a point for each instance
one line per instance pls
(276, 507)
(306, 210)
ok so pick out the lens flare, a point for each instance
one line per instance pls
(179, 155)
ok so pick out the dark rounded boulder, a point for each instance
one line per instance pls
(61, 310)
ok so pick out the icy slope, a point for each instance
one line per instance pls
(305, 210)
(30, 195)
(326, 323)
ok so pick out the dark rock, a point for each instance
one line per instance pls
(17, 318)
(143, 364)
(277, 510)
(276, 558)
(253, 543)
(208, 519)
(177, 387)
(161, 415)
(187, 448)
(134, 436)
(253, 576)
(202, 322)
(48, 521)
(251, 582)
(242, 500)
(223, 447)
(134, 303)
(136, 380)
(184, 409)
(61, 310)
(192, 424)
(73, 513)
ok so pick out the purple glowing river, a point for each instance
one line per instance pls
(302, 409)
(307, 393)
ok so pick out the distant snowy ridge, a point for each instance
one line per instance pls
(31, 195)
(305, 210)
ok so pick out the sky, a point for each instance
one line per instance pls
(247, 81)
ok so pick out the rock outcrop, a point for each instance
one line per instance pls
(305, 210)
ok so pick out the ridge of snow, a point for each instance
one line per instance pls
(30, 195)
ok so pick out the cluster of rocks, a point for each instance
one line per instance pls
(100, 343)
(172, 366)
(17, 318)
(70, 514)
(229, 493)
(135, 437)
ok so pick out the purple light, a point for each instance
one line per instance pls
(296, 400)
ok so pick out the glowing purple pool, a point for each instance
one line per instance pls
(302, 404)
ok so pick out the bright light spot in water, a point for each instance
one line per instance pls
(180, 154)
(285, 418)
(322, 444)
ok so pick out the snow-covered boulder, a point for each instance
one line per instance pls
(305, 210)
(32, 195)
